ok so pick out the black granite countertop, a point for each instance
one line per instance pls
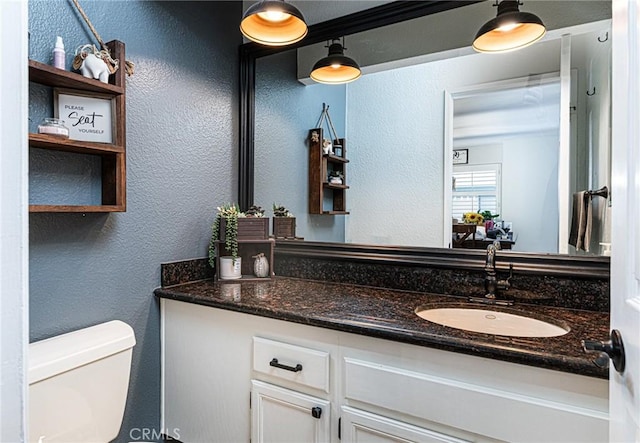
(389, 314)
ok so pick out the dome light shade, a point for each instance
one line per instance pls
(510, 30)
(336, 68)
(273, 23)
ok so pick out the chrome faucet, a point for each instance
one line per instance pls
(490, 279)
(491, 283)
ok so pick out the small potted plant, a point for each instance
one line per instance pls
(336, 177)
(284, 222)
(253, 225)
(254, 211)
(226, 221)
(488, 219)
(232, 225)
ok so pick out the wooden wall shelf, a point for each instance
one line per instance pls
(51, 76)
(335, 158)
(334, 186)
(113, 155)
(320, 164)
(246, 250)
(74, 208)
(44, 141)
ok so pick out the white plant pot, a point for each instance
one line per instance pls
(230, 269)
(232, 291)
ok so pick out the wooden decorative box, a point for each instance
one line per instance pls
(249, 228)
(284, 227)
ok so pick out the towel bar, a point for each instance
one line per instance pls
(602, 192)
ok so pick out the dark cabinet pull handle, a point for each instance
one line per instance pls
(316, 412)
(275, 364)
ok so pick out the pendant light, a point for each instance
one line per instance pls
(510, 30)
(336, 68)
(273, 23)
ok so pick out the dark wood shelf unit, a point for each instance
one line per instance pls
(320, 164)
(113, 155)
(247, 248)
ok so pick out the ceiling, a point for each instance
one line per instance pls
(317, 11)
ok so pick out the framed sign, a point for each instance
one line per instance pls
(460, 156)
(89, 116)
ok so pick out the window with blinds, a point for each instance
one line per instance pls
(476, 188)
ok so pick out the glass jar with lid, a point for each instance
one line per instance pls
(53, 126)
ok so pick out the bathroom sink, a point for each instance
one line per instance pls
(491, 321)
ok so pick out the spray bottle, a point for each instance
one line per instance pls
(59, 60)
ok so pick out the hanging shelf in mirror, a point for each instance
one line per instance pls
(326, 196)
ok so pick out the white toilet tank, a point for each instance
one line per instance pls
(78, 384)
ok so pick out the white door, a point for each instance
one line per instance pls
(14, 220)
(625, 195)
(364, 427)
(282, 415)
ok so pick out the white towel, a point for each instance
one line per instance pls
(606, 230)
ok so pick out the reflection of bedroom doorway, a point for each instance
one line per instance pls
(510, 131)
(584, 156)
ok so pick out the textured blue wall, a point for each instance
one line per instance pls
(181, 164)
(285, 111)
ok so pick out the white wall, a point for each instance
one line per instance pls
(530, 191)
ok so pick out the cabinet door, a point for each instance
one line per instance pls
(283, 415)
(360, 426)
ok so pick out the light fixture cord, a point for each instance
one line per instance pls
(128, 65)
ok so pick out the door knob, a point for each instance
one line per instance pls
(612, 349)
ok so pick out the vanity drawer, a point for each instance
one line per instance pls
(304, 366)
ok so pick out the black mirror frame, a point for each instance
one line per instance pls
(376, 17)
(390, 13)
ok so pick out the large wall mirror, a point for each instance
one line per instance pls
(424, 95)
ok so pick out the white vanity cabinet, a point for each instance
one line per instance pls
(279, 413)
(219, 385)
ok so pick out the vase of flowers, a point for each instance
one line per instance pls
(473, 218)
